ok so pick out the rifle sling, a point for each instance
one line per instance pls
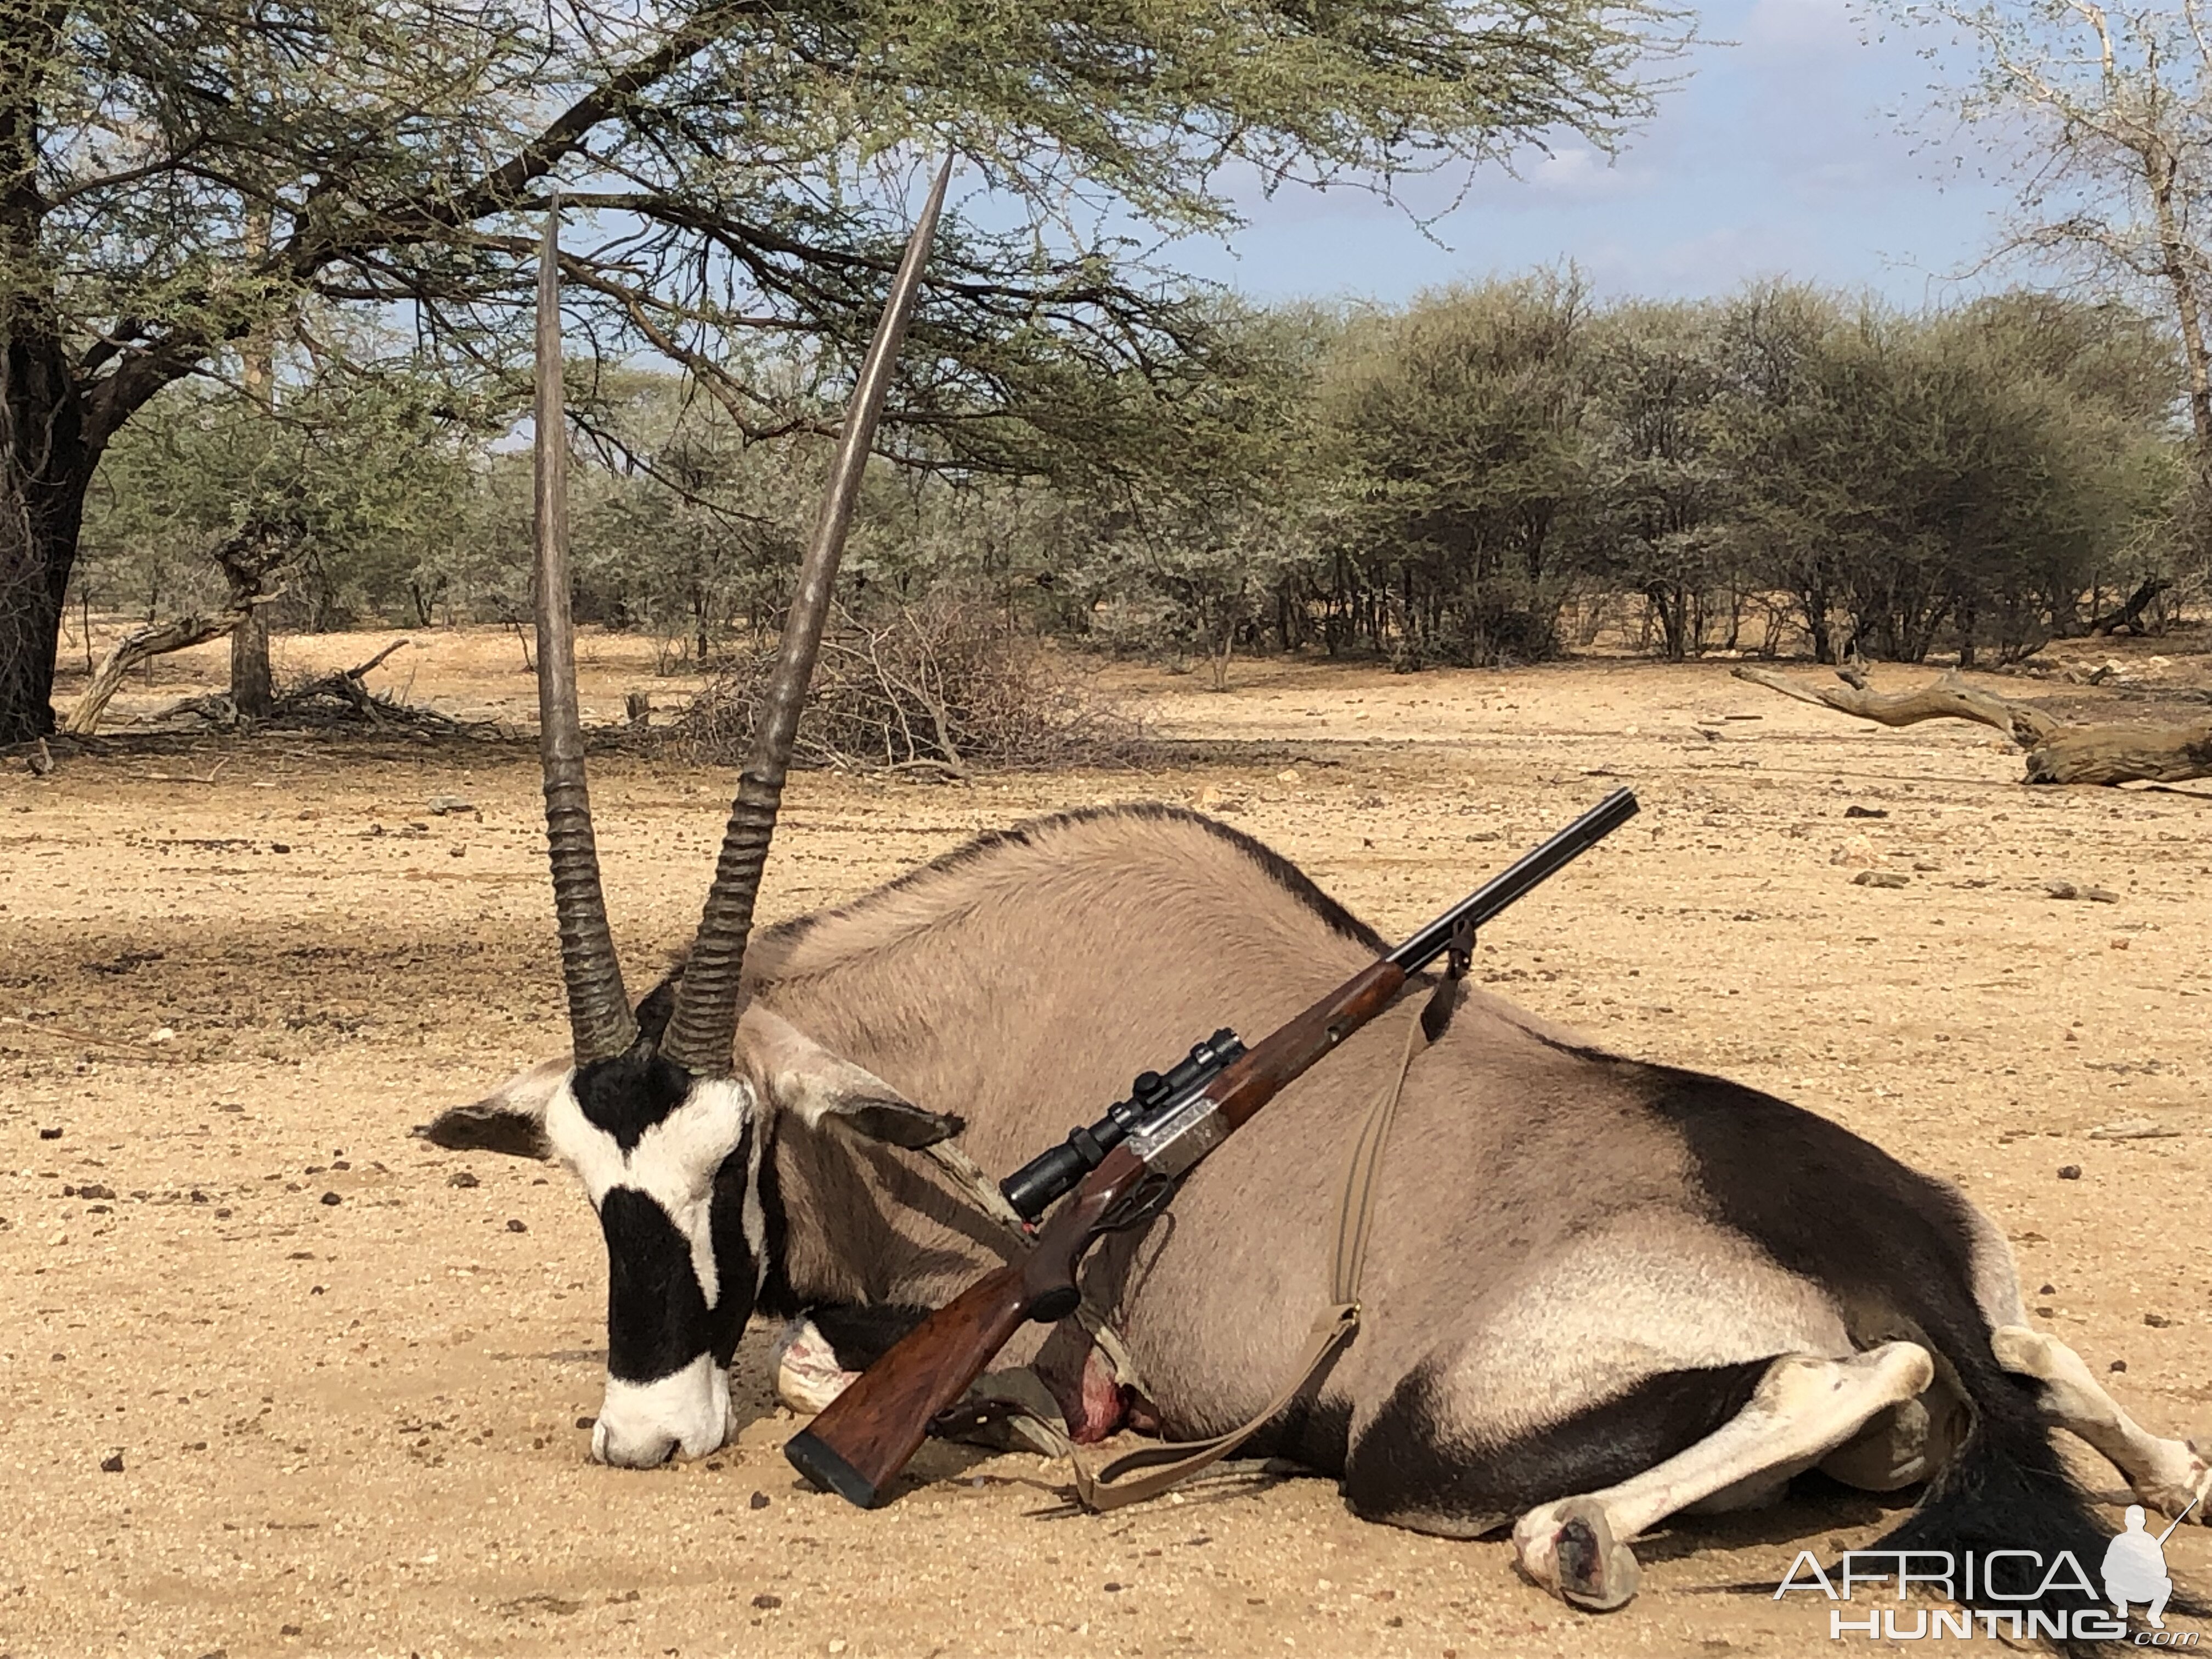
(1114, 1487)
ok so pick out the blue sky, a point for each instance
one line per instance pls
(1779, 155)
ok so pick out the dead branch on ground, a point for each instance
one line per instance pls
(328, 702)
(2056, 752)
(940, 689)
(139, 645)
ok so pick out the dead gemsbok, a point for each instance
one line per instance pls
(1599, 1293)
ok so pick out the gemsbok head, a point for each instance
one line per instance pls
(663, 1109)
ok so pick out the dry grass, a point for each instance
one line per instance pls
(946, 685)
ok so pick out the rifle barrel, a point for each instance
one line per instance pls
(1500, 890)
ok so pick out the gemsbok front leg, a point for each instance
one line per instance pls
(2167, 1474)
(1804, 1408)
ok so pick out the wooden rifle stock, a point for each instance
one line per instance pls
(864, 1438)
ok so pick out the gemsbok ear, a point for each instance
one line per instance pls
(510, 1119)
(800, 1076)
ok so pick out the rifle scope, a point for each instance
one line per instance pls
(1032, 1188)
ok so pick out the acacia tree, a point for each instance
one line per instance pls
(174, 177)
(2109, 111)
(1458, 435)
(340, 489)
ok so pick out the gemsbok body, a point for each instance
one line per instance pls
(1598, 1292)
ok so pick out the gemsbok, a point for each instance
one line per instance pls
(1599, 1293)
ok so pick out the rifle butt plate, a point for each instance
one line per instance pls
(830, 1473)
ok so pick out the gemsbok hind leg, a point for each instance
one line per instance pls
(2166, 1474)
(1803, 1408)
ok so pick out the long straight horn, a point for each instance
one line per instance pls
(703, 1027)
(598, 1012)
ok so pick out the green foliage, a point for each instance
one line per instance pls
(370, 475)
(1456, 436)
(200, 183)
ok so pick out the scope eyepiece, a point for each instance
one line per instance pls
(1032, 1188)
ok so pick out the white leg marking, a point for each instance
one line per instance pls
(2165, 1474)
(1804, 1408)
(807, 1375)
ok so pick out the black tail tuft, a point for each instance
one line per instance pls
(2008, 1489)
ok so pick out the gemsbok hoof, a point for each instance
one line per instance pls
(1570, 1549)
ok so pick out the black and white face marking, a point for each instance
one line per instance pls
(672, 1164)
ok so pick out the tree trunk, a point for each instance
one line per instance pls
(2160, 167)
(253, 693)
(46, 456)
(42, 469)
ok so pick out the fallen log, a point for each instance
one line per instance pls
(142, 643)
(2128, 615)
(2056, 752)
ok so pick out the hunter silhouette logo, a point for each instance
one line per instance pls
(2135, 1567)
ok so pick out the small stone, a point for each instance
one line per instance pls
(2070, 1172)
(332, 1199)
(586, 1422)
(2048, 1289)
(2100, 896)
(2159, 1321)
(440, 805)
(1855, 810)
(462, 1178)
(1926, 864)
(1880, 878)
(50, 1134)
(457, 852)
(836, 1645)
(1858, 852)
(758, 1501)
(2118, 944)
(112, 1465)
(1288, 775)
(2117, 1365)
(515, 1226)
(1111, 1588)
(280, 847)
(766, 1602)
(2059, 888)
(162, 1034)
(288, 1630)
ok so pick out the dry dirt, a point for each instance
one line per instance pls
(344, 1392)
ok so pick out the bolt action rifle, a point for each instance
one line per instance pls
(1123, 1170)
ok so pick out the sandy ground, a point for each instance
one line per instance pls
(278, 1387)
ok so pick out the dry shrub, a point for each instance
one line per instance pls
(947, 685)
